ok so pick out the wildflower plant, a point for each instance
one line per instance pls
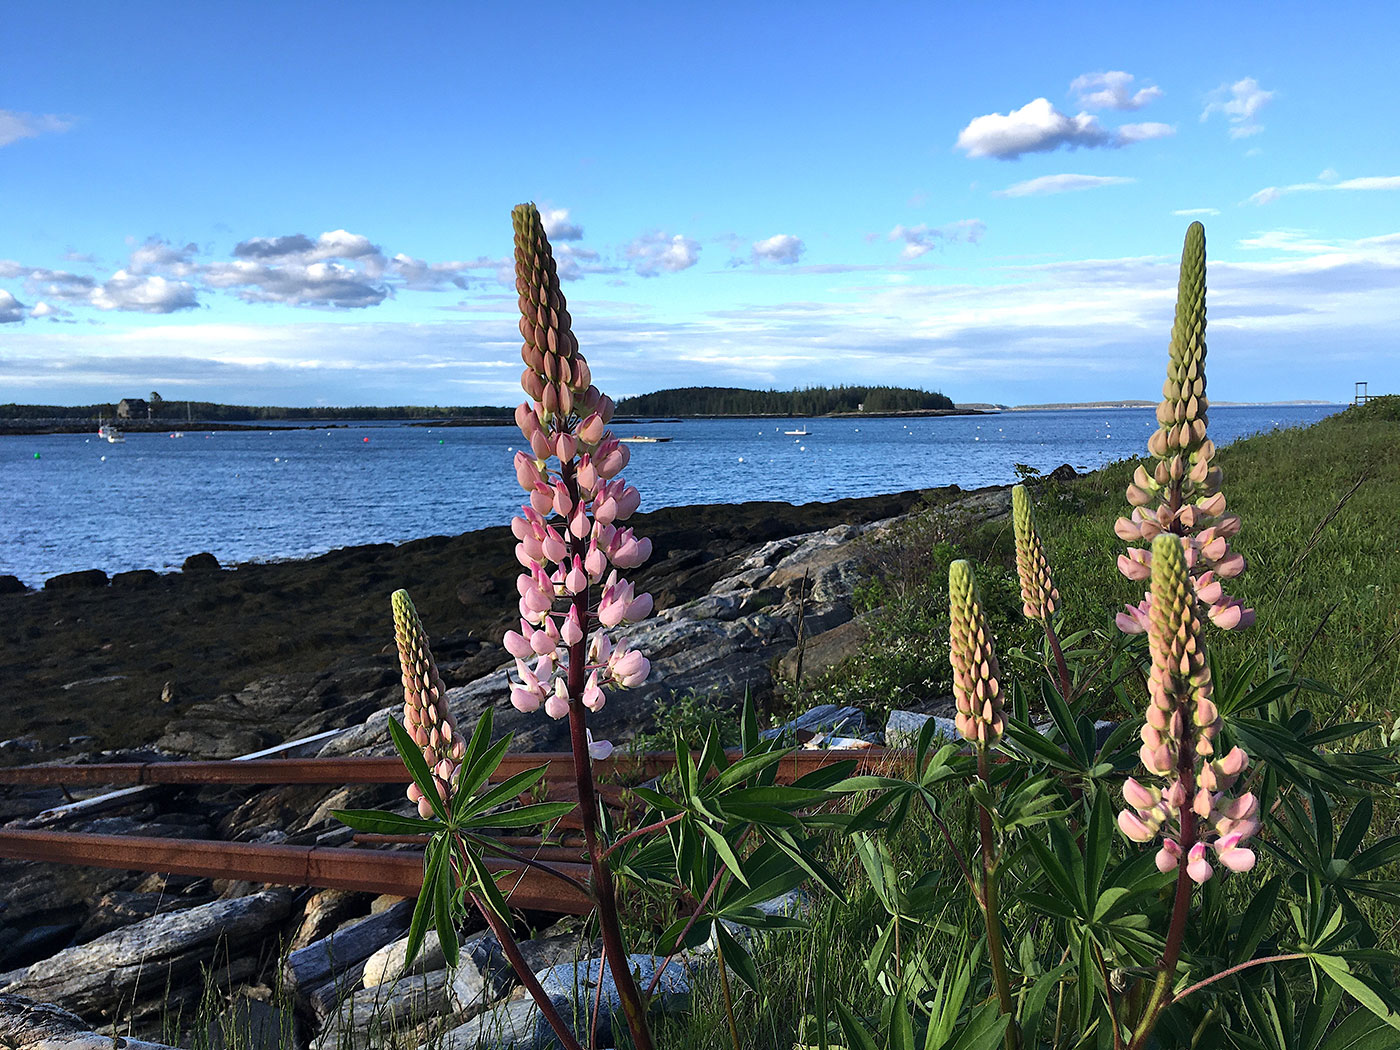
(1144, 949)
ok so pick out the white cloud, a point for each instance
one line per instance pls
(1128, 134)
(324, 284)
(652, 253)
(11, 309)
(15, 126)
(558, 225)
(780, 248)
(147, 295)
(1048, 184)
(1187, 212)
(42, 309)
(1269, 194)
(1112, 90)
(921, 239)
(157, 255)
(1241, 103)
(1038, 127)
(334, 244)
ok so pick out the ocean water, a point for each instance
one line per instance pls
(72, 501)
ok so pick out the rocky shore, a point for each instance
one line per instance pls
(215, 663)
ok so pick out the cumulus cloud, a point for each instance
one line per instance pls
(1187, 212)
(334, 244)
(780, 248)
(1038, 127)
(158, 255)
(558, 225)
(42, 309)
(652, 253)
(1112, 90)
(147, 295)
(1269, 194)
(15, 126)
(1240, 102)
(11, 309)
(1067, 183)
(297, 284)
(921, 239)
(428, 277)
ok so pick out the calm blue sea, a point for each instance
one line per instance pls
(72, 502)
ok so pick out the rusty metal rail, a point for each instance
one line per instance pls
(387, 769)
(376, 871)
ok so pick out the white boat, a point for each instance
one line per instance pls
(110, 433)
(804, 432)
(642, 439)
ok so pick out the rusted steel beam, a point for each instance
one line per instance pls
(534, 850)
(390, 770)
(398, 873)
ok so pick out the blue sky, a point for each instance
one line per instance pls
(309, 202)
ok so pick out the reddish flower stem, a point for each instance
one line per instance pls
(1236, 969)
(604, 890)
(643, 831)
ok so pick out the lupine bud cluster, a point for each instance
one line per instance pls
(1038, 593)
(425, 712)
(1178, 739)
(980, 716)
(1180, 493)
(570, 538)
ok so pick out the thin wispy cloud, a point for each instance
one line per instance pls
(1038, 127)
(1190, 212)
(1240, 103)
(1067, 183)
(15, 126)
(1112, 90)
(1367, 183)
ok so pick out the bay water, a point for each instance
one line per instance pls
(74, 501)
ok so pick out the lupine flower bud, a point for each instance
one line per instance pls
(426, 715)
(980, 716)
(1178, 737)
(1038, 594)
(1181, 493)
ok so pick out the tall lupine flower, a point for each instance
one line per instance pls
(1038, 593)
(570, 532)
(980, 717)
(1191, 810)
(425, 712)
(1180, 493)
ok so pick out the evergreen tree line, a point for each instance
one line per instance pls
(811, 401)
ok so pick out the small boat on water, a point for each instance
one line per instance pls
(642, 439)
(803, 432)
(110, 433)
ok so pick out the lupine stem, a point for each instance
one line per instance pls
(511, 951)
(1058, 653)
(604, 891)
(649, 829)
(989, 907)
(1236, 969)
(728, 996)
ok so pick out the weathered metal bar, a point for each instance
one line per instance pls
(384, 769)
(399, 873)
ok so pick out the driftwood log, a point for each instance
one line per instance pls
(27, 1025)
(144, 960)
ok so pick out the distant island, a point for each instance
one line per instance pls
(810, 401)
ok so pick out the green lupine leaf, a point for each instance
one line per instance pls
(1357, 987)
(494, 900)
(1033, 1007)
(749, 737)
(442, 909)
(1319, 1018)
(1255, 922)
(737, 957)
(1064, 722)
(474, 776)
(1088, 978)
(1029, 742)
(422, 911)
(1057, 906)
(1354, 830)
(1382, 853)
(474, 770)
(382, 822)
(506, 790)
(524, 817)
(901, 1028)
(857, 1038)
(726, 852)
(417, 767)
(1055, 872)
(985, 1029)
(748, 766)
(1362, 1030)
(825, 777)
